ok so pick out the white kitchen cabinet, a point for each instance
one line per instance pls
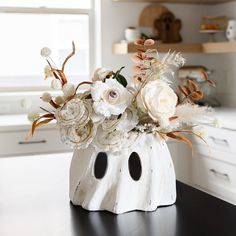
(13, 130)
(215, 177)
(181, 156)
(214, 164)
(13, 143)
(210, 167)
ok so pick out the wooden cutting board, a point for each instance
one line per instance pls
(150, 14)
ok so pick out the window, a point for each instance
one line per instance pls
(27, 26)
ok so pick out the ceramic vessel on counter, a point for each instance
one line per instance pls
(139, 177)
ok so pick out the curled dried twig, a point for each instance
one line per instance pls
(69, 56)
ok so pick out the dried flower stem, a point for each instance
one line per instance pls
(69, 56)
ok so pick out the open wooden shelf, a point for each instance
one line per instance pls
(216, 47)
(180, 1)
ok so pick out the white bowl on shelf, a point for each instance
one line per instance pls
(132, 34)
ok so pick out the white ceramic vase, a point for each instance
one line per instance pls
(140, 177)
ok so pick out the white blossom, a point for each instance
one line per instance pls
(46, 97)
(68, 89)
(78, 137)
(110, 97)
(128, 120)
(56, 84)
(59, 100)
(158, 100)
(45, 52)
(113, 141)
(101, 74)
(33, 116)
(74, 113)
(48, 72)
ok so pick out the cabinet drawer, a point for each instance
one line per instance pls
(220, 139)
(216, 177)
(213, 153)
(44, 141)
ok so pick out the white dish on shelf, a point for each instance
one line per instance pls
(211, 31)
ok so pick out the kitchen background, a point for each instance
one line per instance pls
(214, 173)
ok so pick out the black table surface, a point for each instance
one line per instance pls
(34, 202)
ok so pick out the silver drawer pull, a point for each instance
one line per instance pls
(32, 142)
(219, 141)
(224, 175)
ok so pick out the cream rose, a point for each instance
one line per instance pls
(110, 97)
(79, 137)
(74, 113)
(125, 123)
(158, 100)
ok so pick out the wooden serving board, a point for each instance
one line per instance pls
(150, 14)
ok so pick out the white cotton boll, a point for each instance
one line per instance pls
(59, 100)
(46, 97)
(68, 89)
(48, 72)
(33, 116)
(25, 103)
(45, 52)
(56, 84)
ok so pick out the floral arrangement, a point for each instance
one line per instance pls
(111, 110)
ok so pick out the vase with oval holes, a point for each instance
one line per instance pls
(140, 177)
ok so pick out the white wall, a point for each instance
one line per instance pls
(116, 16)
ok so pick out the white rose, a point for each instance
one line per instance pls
(125, 123)
(110, 98)
(45, 52)
(74, 113)
(158, 100)
(128, 120)
(101, 74)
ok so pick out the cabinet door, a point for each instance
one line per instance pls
(182, 157)
(215, 177)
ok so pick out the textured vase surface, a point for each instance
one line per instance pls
(140, 177)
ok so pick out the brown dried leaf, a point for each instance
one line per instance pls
(180, 138)
(187, 89)
(173, 118)
(182, 90)
(194, 86)
(197, 95)
(205, 75)
(36, 124)
(211, 82)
